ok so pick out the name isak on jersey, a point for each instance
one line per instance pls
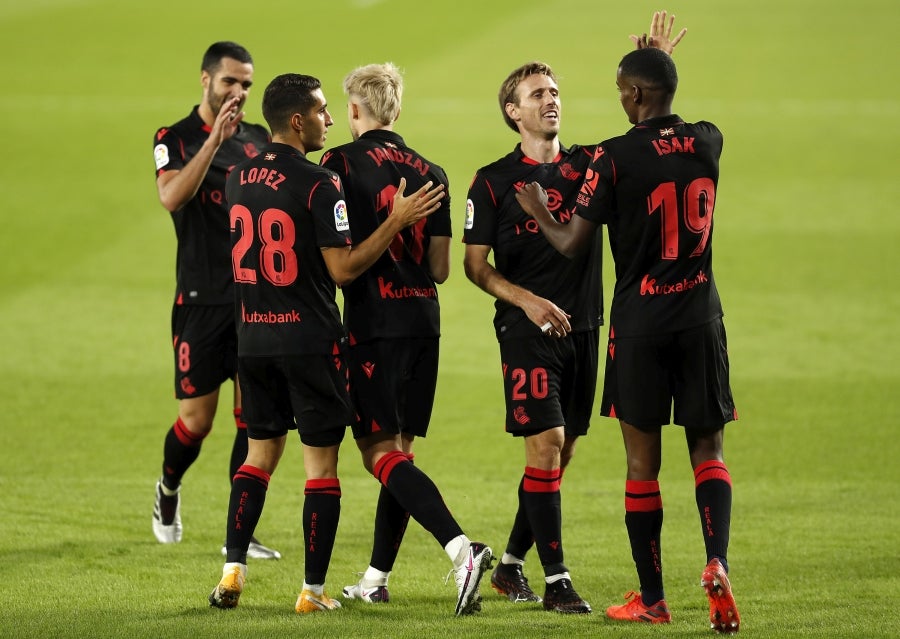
(675, 145)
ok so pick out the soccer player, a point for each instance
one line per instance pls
(291, 244)
(392, 316)
(193, 156)
(548, 312)
(655, 189)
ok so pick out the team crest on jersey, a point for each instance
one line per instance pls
(161, 155)
(664, 132)
(470, 214)
(341, 221)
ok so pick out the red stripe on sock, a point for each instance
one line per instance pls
(238, 420)
(710, 470)
(642, 496)
(386, 465)
(537, 480)
(330, 486)
(252, 472)
(185, 436)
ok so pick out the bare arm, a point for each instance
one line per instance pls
(176, 188)
(660, 34)
(439, 258)
(346, 264)
(569, 239)
(539, 310)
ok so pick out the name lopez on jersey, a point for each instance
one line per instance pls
(269, 177)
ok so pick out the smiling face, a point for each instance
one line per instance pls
(232, 79)
(537, 108)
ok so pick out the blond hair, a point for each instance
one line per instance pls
(379, 87)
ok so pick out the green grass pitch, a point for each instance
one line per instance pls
(807, 95)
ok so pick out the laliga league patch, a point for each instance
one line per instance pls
(470, 214)
(341, 221)
(161, 155)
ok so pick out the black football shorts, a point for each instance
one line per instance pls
(550, 382)
(306, 392)
(646, 376)
(392, 384)
(205, 346)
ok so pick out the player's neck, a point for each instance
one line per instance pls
(206, 114)
(540, 149)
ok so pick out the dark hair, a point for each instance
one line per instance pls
(511, 83)
(286, 95)
(653, 66)
(212, 59)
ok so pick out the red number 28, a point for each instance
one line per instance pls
(277, 234)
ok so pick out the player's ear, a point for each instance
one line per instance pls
(512, 111)
(297, 122)
(637, 95)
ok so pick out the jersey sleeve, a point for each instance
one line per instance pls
(481, 213)
(595, 197)
(438, 223)
(337, 162)
(329, 211)
(167, 151)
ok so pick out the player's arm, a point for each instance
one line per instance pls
(569, 239)
(346, 264)
(660, 34)
(439, 258)
(541, 311)
(177, 187)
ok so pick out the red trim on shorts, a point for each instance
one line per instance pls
(537, 480)
(710, 470)
(238, 420)
(385, 466)
(186, 437)
(330, 486)
(254, 473)
(642, 496)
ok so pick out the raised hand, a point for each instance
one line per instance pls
(660, 34)
(227, 120)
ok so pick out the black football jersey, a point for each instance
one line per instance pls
(202, 262)
(521, 253)
(396, 296)
(284, 209)
(655, 189)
